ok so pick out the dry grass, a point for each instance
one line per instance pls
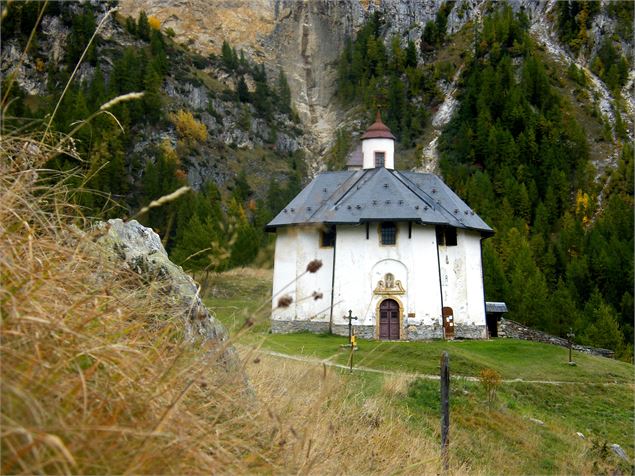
(96, 378)
(330, 426)
(396, 385)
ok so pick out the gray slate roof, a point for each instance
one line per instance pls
(378, 194)
(495, 307)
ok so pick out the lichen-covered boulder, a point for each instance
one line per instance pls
(140, 249)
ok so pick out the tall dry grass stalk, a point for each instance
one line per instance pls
(96, 378)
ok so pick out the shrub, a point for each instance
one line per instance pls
(490, 380)
(190, 130)
(154, 23)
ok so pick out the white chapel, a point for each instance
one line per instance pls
(400, 250)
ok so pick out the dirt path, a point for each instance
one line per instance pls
(329, 363)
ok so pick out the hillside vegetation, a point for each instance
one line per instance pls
(521, 148)
(96, 377)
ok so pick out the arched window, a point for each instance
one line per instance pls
(388, 233)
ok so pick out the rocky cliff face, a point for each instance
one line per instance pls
(304, 38)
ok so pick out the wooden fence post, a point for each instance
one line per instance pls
(445, 409)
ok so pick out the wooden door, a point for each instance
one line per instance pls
(448, 322)
(389, 320)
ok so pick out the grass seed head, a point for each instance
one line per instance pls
(314, 266)
(285, 301)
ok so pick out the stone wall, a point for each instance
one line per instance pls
(363, 332)
(469, 331)
(412, 332)
(515, 330)
(287, 327)
(421, 332)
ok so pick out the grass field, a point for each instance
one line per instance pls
(530, 428)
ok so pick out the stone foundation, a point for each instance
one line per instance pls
(470, 331)
(421, 332)
(288, 327)
(363, 332)
(411, 332)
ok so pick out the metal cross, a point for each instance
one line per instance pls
(350, 318)
(570, 336)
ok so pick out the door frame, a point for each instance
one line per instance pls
(377, 323)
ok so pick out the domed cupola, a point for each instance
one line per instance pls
(378, 146)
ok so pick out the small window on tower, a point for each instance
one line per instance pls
(380, 159)
(327, 237)
(388, 233)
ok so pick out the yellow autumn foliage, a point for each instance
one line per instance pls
(154, 22)
(189, 130)
(582, 206)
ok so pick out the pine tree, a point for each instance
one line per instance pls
(411, 55)
(241, 190)
(242, 91)
(197, 248)
(284, 93)
(152, 97)
(159, 56)
(143, 27)
(227, 55)
(603, 330)
(97, 90)
(262, 98)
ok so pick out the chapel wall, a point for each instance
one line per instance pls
(295, 248)
(361, 263)
(370, 146)
(462, 283)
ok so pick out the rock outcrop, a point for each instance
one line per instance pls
(140, 249)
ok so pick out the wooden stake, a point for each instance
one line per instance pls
(445, 409)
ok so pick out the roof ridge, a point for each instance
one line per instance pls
(404, 178)
(364, 173)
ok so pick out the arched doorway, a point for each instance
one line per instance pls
(389, 320)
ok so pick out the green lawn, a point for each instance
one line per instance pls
(513, 359)
(602, 413)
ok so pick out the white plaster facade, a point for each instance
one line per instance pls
(431, 276)
(296, 247)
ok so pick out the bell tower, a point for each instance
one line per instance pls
(378, 146)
